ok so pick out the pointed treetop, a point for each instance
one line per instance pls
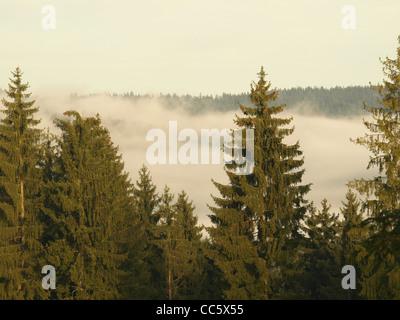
(17, 73)
(262, 98)
(262, 73)
(16, 88)
(262, 84)
(17, 79)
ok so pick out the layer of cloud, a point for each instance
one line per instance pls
(331, 160)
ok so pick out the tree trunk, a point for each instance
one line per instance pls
(169, 284)
(22, 209)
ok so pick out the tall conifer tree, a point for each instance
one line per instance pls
(167, 230)
(179, 238)
(323, 263)
(89, 197)
(353, 234)
(257, 219)
(189, 247)
(151, 277)
(20, 181)
(382, 204)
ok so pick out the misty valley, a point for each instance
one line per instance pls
(254, 224)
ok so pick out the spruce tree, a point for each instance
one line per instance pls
(136, 276)
(87, 200)
(167, 230)
(20, 183)
(353, 234)
(257, 220)
(188, 242)
(351, 237)
(179, 238)
(323, 263)
(147, 282)
(382, 203)
(147, 199)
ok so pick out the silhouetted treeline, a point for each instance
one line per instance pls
(334, 102)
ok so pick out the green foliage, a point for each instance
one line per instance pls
(381, 277)
(20, 184)
(179, 238)
(257, 220)
(352, 236)
(323, 263)
(89, 196)
(66, 201)
(145, 274)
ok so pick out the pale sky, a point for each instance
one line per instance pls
(185, 46)
(207, 47)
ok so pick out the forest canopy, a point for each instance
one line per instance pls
(333, 103)
(67, 201)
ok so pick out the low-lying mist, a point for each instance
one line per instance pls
(331, 159)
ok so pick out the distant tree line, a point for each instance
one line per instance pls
(65, 200)
(333, 103)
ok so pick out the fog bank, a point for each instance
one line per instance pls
(331, 160)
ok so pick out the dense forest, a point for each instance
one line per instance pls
(66, 201)
(333, 103)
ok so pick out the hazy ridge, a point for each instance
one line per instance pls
(333, 102)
